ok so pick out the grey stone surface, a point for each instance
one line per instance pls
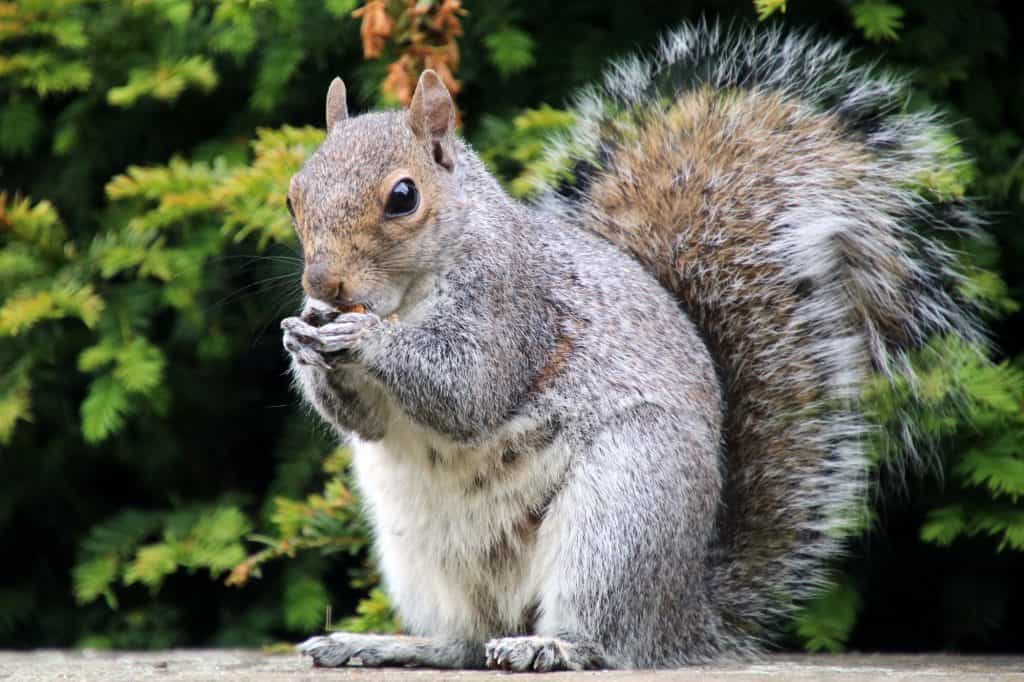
(209, 664)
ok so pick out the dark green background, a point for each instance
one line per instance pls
(234, 426)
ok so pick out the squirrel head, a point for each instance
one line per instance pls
(368, 204)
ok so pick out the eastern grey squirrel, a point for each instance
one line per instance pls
(621, 425)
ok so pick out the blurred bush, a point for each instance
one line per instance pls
(163, 486)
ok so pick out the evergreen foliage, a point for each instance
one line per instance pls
(164, 487)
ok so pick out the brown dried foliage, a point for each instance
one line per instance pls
(423, 33)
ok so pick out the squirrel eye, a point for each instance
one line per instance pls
(288, 203)
(403, 199)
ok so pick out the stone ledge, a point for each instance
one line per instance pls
(229, 664)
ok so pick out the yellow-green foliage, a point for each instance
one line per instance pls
(515, 149)
(766, 8)
(102, 314)
(211, 202)
(326, 522)
(145, 547)
(164, 81)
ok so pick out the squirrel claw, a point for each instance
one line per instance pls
(345, 332)
(525, 654)
(297, 325)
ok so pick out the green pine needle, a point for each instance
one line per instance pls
(104, 409)
(305, 599)
(826, 622)
(510, 50)
(879, 20)
(766, 8)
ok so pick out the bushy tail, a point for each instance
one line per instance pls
(783, 194)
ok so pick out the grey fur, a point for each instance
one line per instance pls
(539, 429)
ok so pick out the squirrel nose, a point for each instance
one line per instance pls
(324, 283)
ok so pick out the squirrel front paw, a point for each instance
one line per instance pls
(346, 331)
(300, 340)
(324, 345)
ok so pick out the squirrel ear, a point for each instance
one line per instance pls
(337, 109)
(432, 116)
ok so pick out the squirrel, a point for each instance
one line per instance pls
(621, 425)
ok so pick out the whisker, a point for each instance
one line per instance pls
(291, 297)
(397, 263)
(257, 257)
(274, 282)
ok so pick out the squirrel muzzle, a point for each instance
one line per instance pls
(325, 283)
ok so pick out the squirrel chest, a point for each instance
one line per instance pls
(463, 532)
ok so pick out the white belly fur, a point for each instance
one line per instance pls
(438, 526)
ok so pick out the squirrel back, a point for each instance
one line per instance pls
(776, 189)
